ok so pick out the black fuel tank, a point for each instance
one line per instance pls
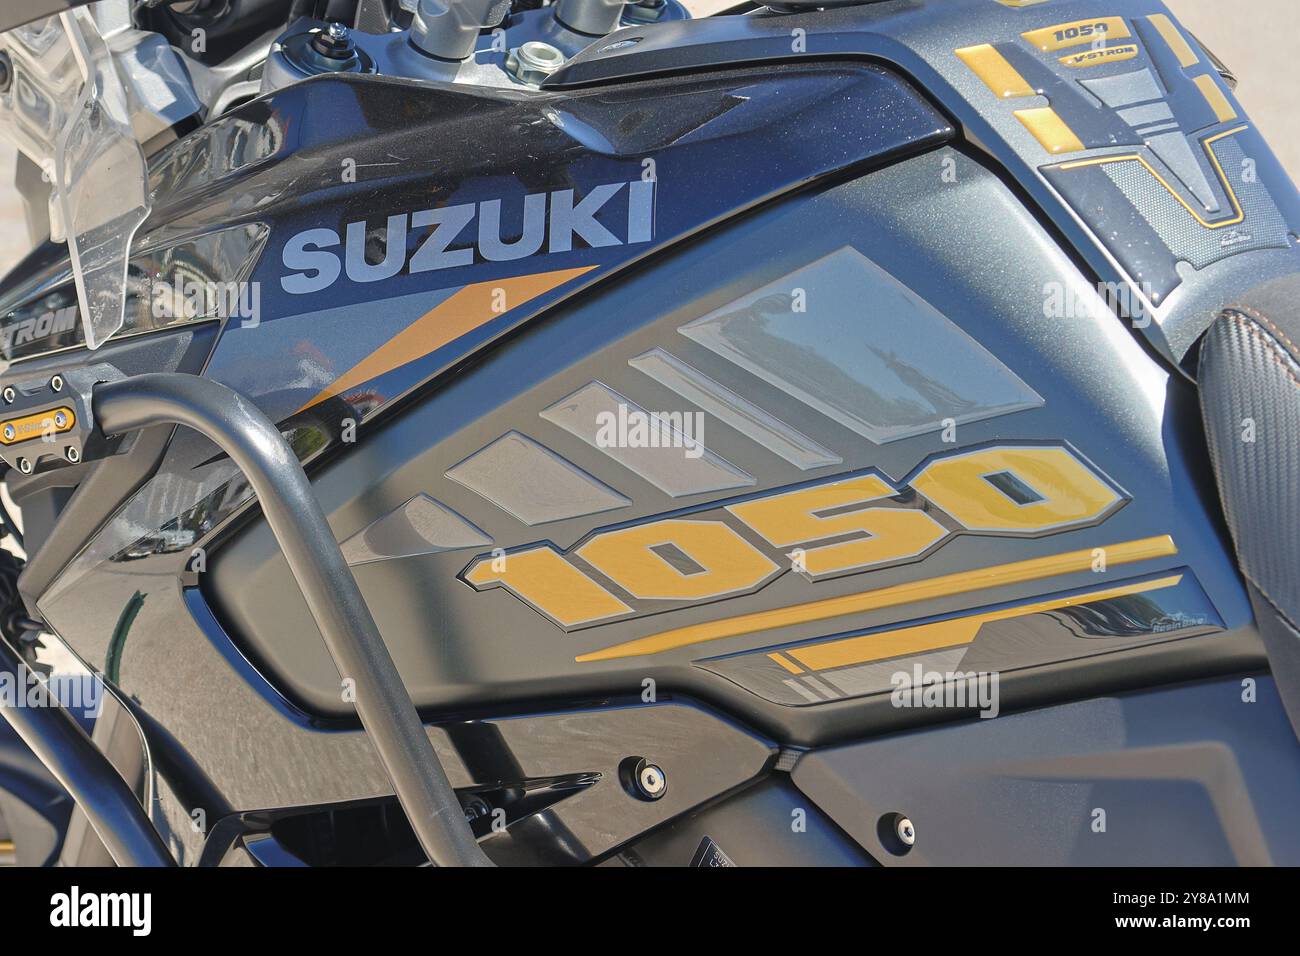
(843, 438)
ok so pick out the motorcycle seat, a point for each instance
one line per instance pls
(1249, 376)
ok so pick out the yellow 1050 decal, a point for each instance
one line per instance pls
(836, 526)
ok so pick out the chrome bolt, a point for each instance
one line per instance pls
(9, 394)
(334, 42)
(24, 466)
(60, 419)
(10, 433)
(72, 454)
(651, 782)
(906, 832)
(534, 61)
(56, 383)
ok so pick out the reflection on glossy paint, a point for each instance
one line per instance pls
(848, 339)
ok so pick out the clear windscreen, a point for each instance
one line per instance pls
(101, 182)
(67, 111)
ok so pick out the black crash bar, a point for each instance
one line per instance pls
(387, 713)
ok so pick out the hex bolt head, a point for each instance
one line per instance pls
(533, 62)
(334, 42)
(9, 394)
(906, 832)
(72, 454)
(10, 432)
(60, 419)
(24, 466)
(651, 782)
(56, 383)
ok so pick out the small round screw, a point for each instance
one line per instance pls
(56, 383)
(24, 466)
(72, 454)
(10, 433)
(9, 394)
(896, 833)
(651, 782)
(60, 419)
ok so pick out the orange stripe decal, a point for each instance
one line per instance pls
(461, 313)
(952, 632)
(963, 582)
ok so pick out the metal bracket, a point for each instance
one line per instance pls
(48, 419)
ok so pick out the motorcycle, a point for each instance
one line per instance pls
(475, 432)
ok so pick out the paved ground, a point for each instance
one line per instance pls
(1256, 38)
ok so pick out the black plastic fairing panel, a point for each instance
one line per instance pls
(795, 833)
(1202, 774)
(95, 489)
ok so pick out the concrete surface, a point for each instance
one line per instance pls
(1255, 38)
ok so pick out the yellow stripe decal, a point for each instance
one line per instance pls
(1050, 130)
(992, 67)
(461, 313)
(788, 664)
(946, 586)
(1180, 47)
(949, 633)
(1133, 157)
(1214, 96)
